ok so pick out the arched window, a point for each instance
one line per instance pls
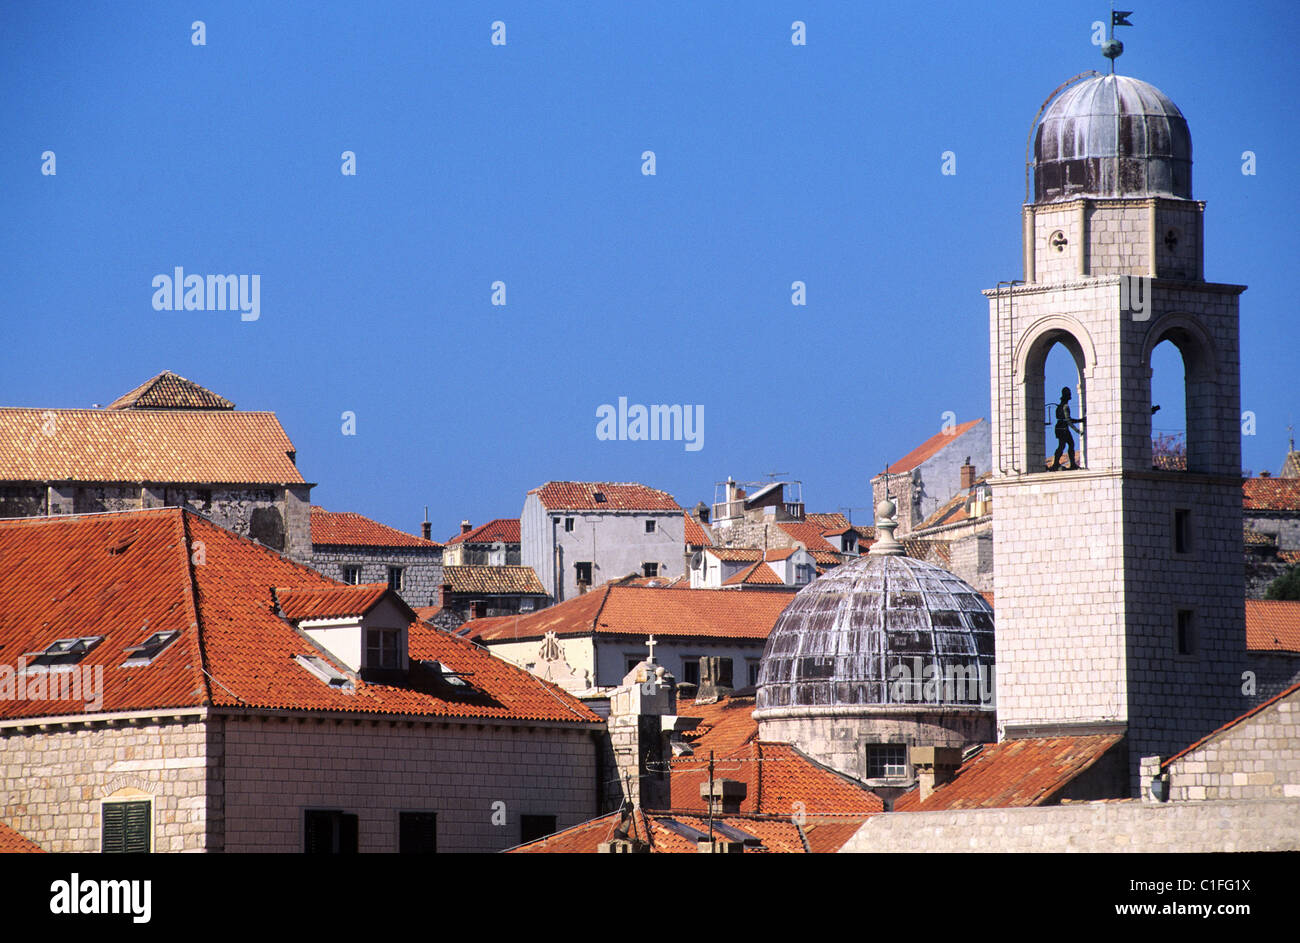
(1181, 366)
(1168, 408)
(1054, 361)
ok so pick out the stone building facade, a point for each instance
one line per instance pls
(354, 549)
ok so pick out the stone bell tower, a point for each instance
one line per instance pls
(1119, 587)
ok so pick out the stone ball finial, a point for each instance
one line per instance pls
(886, 509)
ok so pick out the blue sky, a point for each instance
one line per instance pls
(522, 163)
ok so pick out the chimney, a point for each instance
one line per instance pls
(723, 796)
(464, 527)
(426, 530)
(712, 685)
(478, 609)
(934, 767)
(445, 594)
(967, 475)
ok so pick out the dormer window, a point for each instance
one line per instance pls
(64, 651)
(383, 649)
(149, 649)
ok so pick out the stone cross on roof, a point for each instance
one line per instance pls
(650, 643)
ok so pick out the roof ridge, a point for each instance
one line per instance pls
(192, 599)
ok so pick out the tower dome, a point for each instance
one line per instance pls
(882, 653)
(1112, 136)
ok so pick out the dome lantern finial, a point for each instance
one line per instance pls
(887, 545)
(1111, 47)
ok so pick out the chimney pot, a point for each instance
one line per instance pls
(934, 767)
(426, 530)
(967, 476)
(464, 527)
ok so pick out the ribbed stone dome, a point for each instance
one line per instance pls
(1112, 136)
(841, 639)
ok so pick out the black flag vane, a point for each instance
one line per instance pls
(1112, 47)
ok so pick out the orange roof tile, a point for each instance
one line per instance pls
(757, 574)
(832, 522)
(616, 609)
(1271, 494)
(501, 530)
(1014, 773)
(13, 843)
(724, 726)
(810, 535)
(332, 602)
(779, 780)
(493, 580)
(695, 534)
(736, 554)
(170, 391)
(931, 447)
(139, 572)
(1272, 625)
(617, 495)
(1232, 723)
(349, 529)
(136, 445)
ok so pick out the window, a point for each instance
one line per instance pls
(650, 526)
(753, 672)
(803, 573)
(329, 833)
(726, 674)
(533, 827)
(887, 761)
(126, 827)
(582, 572)
(691, 670)
(631, 661)
(568, 524)
(1186, 633)
(527, 604)
(850, 545)
(395, 578)
(598, 497)
(1182, 530)
(64, 651)
(382, 648)
(417, 833)
(352, 574)
(149, 649)
(651, 569)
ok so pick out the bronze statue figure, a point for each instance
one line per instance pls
(1064, 435)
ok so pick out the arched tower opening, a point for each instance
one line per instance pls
(1054, 362)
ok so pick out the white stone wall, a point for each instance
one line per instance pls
(276, 769)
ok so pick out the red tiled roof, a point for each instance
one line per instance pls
(695, 535)
(810, 535)
(1272, 625)
(931, 447)
(501, 530)
(774, 834)
(134, 445)
(1232, 723)
(724, 726)
(1271, 494)
(493, 580)
(736, 554)
(13, 843)
(779, 780)
(756, 574)
(1014, 773)
(618, 495)
(349, 529)
(832, 522)
(332, 602)
(170, 391)
(140, 572)
(956, 509)
(616, 609)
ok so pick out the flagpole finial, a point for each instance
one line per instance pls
(1112, 48)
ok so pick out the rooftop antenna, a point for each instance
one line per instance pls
(775, 475)
(1112, 48)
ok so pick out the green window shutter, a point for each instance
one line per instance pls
(125, 828)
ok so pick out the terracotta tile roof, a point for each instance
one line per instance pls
(133, 445)
(695, 535)
(493, 580)
(1289, 556)
(170, 391)
(1281, 695)
(1253, 538)
(331, 602)
(618, 496)
(825, 558)
(136, 576)
(1014, 773)
(736, 554)
(776, 776)
(13, 843)
(955, 510)
(349, 529)
(931, 447)
(614, 609)
(1271, 494)
(756, 574)
(663, 831)
(810, 535)
(1272, 625)
(501, 530)
(725, 726)
(830, 523)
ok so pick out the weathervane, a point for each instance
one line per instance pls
(1112, 48)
